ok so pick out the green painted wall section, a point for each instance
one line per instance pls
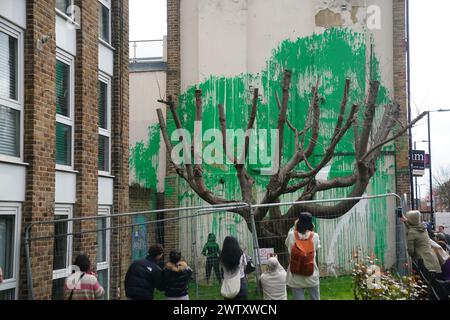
(144, 159)
(331, 57)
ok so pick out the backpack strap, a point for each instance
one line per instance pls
(71, 294)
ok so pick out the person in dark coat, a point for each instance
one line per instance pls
(144, 276)
(176, 277)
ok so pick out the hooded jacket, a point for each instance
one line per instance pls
(419, 242)
(176, 279)
(211, 248)
(142, 277)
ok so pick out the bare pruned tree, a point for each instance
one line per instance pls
(287, 179)
(442, 189)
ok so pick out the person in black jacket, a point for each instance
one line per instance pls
(143, 276)
(176, 277)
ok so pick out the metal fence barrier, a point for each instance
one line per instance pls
(372, 227)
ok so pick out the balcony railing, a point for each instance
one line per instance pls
(146, 50)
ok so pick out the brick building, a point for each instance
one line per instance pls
(63, 140)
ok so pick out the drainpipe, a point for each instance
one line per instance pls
(28, 262)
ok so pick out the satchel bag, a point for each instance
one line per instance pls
(231, 287)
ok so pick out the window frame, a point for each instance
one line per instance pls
(13, 209)
(69, 60)
(107, 4)
(105, 265)
(106, 79)
(18, 105)
(64, 14)
(65, 210)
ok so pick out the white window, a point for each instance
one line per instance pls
(104, 21)
(65, 7)
(103, 248)
(11, 92)
(62, 249)
(65, 82)
(104, 124)
(9, 249)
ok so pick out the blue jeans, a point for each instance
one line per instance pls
(299, 293)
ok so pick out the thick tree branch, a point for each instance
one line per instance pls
(368, 120)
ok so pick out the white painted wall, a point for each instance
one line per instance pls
(105, 191)
(12, 182)
(105, 59)
(66, 35)
(145, 89)
(14, 11)
(227, 38)
(65, 187)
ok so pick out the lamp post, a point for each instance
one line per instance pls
(433, 218)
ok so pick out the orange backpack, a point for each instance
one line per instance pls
(302, 256)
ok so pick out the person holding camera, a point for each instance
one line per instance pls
(273, 281)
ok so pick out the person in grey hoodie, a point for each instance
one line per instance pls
(419, 242)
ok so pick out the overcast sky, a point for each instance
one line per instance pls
(430, 66)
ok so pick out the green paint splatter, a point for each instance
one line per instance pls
(331, 57)
(144, 159)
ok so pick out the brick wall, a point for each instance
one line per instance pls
(39, 144)
(39, 140)
(400, 96)
(120, 239)
(173, 84)
(86, 128)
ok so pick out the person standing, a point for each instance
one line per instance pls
(441, 229)
(211, 251)
(234, 262)
(1, 275)
(83, 285)
(303, 272)
(273, 281)
(176, 275)
(144, 275)
(418, 241)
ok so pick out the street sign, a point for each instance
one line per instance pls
(418, 162)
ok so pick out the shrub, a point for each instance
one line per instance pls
(370, 282)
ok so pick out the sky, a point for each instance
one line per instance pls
(430, 85)
(430, 67)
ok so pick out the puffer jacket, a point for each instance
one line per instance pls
(419, 242)
(142, 278)
(176, 279)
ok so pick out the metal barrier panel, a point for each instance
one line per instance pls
(370, 229)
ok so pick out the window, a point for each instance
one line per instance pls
(62, 250)
(9, 250)
(64, 6)
(11, 101)
(104, 19)
(64, 87)
(104, 124)
(103, 248)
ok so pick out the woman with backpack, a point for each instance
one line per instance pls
(303, 272)
(234, 262)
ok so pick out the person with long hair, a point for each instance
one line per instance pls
(303, 272)
(233, 260)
